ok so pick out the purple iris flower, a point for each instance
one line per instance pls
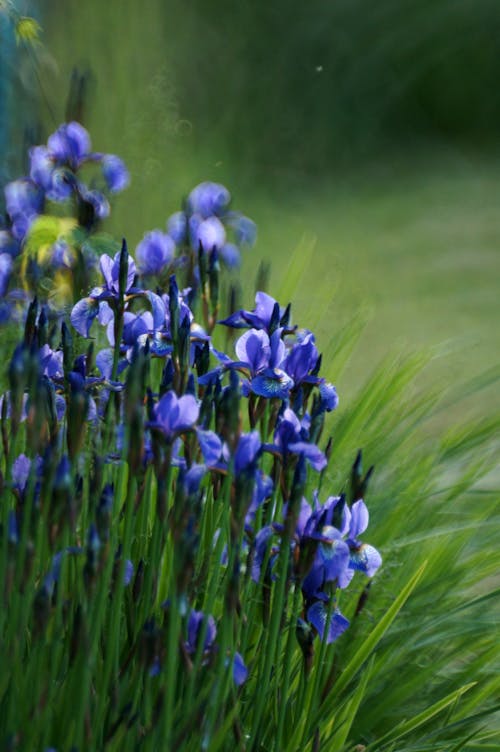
(262, 356)
(363, 557)
(41, 166)
(291, 437)
(51, 362)
(86, 310)
(24, 202)
(209, 233)
(260, 317)
(70, 144)
(155, 252)
(317, 615)
(302, 359)
(195, 625)
(110, 269)
(175, 415)
(21, 468)
(208, 199)
(212, 447)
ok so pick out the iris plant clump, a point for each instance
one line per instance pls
(166, 511)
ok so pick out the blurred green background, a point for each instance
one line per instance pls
(362, 137)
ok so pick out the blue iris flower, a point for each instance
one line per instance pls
(262, 356)
(174, 415)
(267, 311)
(291, 438)
(195, 625)
(155, 253)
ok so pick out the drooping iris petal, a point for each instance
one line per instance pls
(210, 445)
(175, 415)
(5, 271)
(104, 362)
(311, 452)
(317, 615)
(329, 396)
(247, 451)
(115, 173)
(83, 314)
(177, 228)
(230, 255)
(193, 477)
(98, 202)
(240, 671)
(23, 199)
(272, 383)
(365, 558)
(20, 471)
(155, 252)
(261, 544)
(245, 230)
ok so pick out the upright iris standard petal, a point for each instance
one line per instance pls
(301, 359)
(110, 270)
(41, 166)
(70, 143)
(208, 198)
(253, 348)
(359, 518)
(155, 252)
(209, 233)
(330, 628)
(115, 173)
(83, 314)
(23, 198)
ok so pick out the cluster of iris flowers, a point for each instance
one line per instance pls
(133, 380)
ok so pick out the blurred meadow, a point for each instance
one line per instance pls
(364, 141)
